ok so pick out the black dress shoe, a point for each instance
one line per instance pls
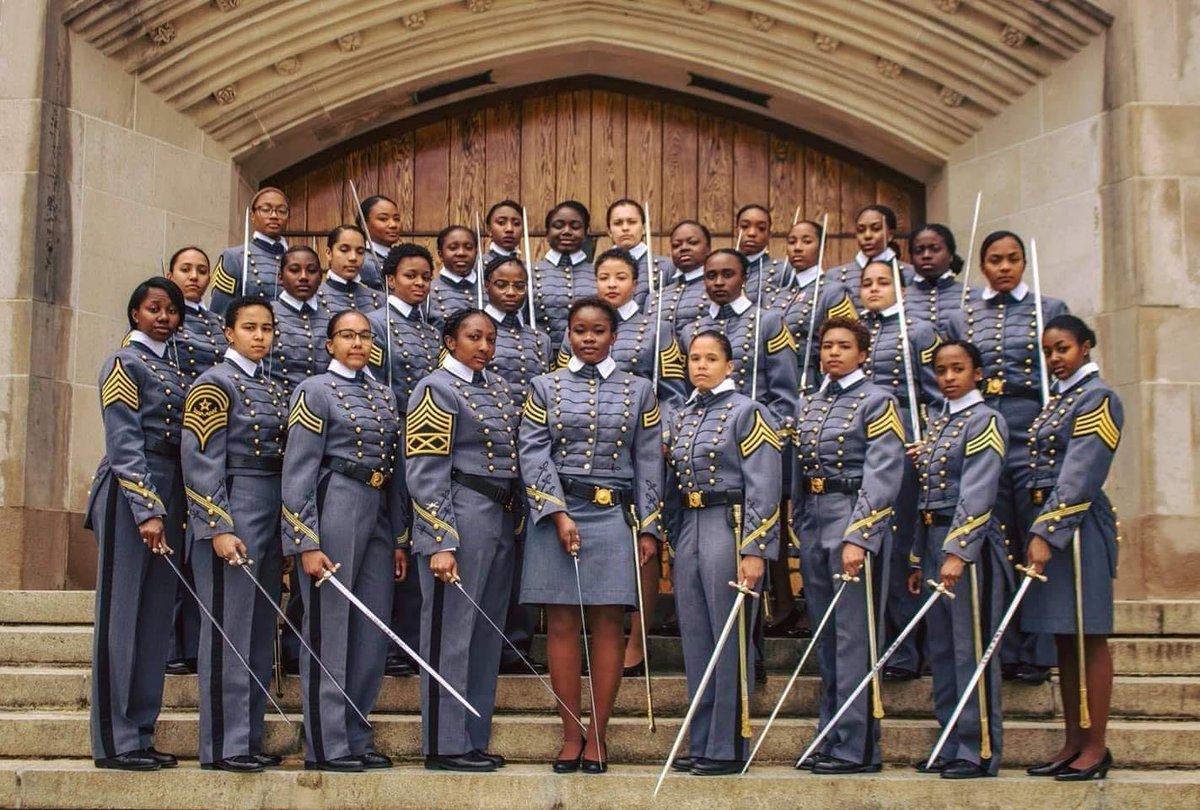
(268, 760)
(397, 668)
(469, 762)
(962, 769)
(129, 761)
(1051, 768)
(635, 671)
(339, 765)
(717, 767)
(178, 667)
(373, 760)
(518, 667)
(898, 674)
(833, 766)
(496, 759)
(809, 762)
(593, 766)
(783, 627)
(164, 760)
(567, 765)
(1097, 771)
(1030, 675)
(924, 767)
(240, 764)
(682, 764)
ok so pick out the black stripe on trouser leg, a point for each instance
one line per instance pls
(103, 620)
(869, 736)
(312, 613)
(435, 661)
(216, 685)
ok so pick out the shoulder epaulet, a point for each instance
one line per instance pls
(888, 421)
(221, 280)
(205, 411)
(428, 429)
(302, 415)
(989, 439)
(1098, 421)
(125, 341)
(760, 434)
(120, 387)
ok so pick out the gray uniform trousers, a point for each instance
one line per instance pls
(354, 533)
(135, 593)
(231, 704)
(951, 645)
(842, 651)
(455, 639)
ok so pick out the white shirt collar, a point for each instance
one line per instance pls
(845, 382)
(458, 368)
(380, 251)
(497, 315)
(726, 384)
(863, 259)
(265, 238)
(692, 275)
(499, 251)
(1072, 381)
(894, 309)
(341, 369)
(241, 360)
(150, 343)
(194, 306)
(972, 397)
(606, 366)
(1018, 292)
(803, 278)
(332, 276)
(451, 274)
(739, 304)
(577, 257)
(638, 251)
(757, 256)
(403, 307)
(628, 309)
(294, 302)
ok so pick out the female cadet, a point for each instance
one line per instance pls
(684, 297)
(297, 348)
(343, 287)
(958, 466)
(1074, 541)
(564, 275)
(460, 451)
(199, 344)
(752, 228)
(1000, 319)
(406, 349)
(627, 229)
(505, 227)
(591, 458)
(233, 429)
(457, 285)
(849, 464)
(381, 219)
(136, 508)
(885, 366)
(724, 450)
(338, 494)
(269, 211)
(935, 294)
(874, 230)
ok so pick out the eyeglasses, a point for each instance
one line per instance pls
(267, 210)
(351, 335)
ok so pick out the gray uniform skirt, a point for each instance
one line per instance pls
(606, 562)
(1049, 606)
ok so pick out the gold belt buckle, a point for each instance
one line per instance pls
(376, 480)
(816, 485)
(602, 496)
(695, 500)
(994, 386)
(927, 518)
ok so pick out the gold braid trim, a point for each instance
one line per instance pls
(968, 527)
(207, 503)
(138, 489)
(1063, 512)
(868, 521)
(762, 529)
(298, 525)
(434, 521)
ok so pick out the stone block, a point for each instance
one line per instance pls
(1074, 90)
(1166, 139)
(87, 443)
(14, 406)
(1121, 280)
(118, 161)
(23, 32)
(45, 607)
(81, 554)
(99, 87)
(1069, 249)
(190, 185)
(122, 243)
(44, 564)
(1163, 336)
(20, 134)
(1158, 243)
(1170, 470)
(1022, 121)
(18, 209)
(47, 447)
(98, 337)
(1061, 163)
(154, 117)
(182, 231)
(15, 333)
(998, 175)
(1190, 200)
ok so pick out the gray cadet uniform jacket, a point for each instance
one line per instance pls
(461, 463)
(372, 267)
(590, 445)
(262, 276)
(337, 295)
(1072, 444)
(339, 492)
(936, 302)
(200, 342)
(795, 301)
(776, 354)
(764, 270)
(232, 446)
(298, 351)
(849, 466)
(522, 353)
(141, 399)
(557, 281)
(959, 469)
(449, 293)
(849, 275)
(725, 453)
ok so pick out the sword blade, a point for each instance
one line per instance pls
(399, 642)
(587, 655)
(217, 626)
(303, 643)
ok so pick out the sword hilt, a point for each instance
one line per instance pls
(242, 561)
(941, 588)
(327, 574)
(845, 578)
(740, 586)
(1031, 573)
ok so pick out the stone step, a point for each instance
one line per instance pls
(1172, 617)
(75, 784)
(1174, 698)
(1135, 743)
(1132, 655)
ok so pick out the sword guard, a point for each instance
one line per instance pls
(941, 588)
(243, 561)
(737, 586)
(167, 551)
(328, 574)
(1029, 572)
(845, 578)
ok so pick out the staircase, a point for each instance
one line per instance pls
(45, 645)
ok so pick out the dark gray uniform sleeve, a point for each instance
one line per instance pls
(307, 424)
(923, 339)
(781, 383)
(983, 461)
(672, 377)
(883, 471)
(648, 464)
(759, 448)
(542, 486)
(203, 447)
(121, 383)
(428, 462)
(226, 279)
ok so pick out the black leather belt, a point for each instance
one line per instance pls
(599, 496)
(698, 499)
(359, 472)
(824, 486)
(502, 494)
(996, 387)
(936, 518)
(162, 447)
(239, 461)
